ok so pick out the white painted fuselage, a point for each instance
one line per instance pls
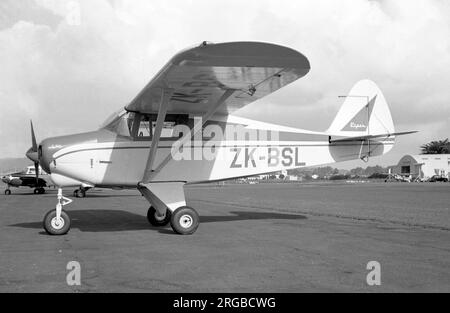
(117, 162)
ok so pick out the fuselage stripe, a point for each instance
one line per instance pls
(227, 146)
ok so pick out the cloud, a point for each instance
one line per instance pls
(27, 10)
(68, 64)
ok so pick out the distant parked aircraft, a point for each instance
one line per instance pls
(28, 178)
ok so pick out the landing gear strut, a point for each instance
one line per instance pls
(57, 222)
(169, 206)
(184, 220)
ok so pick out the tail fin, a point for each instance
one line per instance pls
(364, 112)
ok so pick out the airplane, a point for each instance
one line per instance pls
(27, 178)
(180, 130)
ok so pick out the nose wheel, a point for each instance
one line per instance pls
(57, 222)
(56, 226)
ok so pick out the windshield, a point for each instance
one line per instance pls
(112, 117)
(120, 123)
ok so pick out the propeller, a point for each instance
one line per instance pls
(33, 153)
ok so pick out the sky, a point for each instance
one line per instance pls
(67, 65)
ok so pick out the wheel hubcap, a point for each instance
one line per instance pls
(160, 218)
(57, 224)
(186, 221)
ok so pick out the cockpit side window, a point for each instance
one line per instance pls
(145, 128)
(141, 127)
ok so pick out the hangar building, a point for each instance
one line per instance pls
(423, 165)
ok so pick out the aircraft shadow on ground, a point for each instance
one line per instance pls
(52, 194)
(117, 220)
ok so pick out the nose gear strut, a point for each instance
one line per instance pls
(57, 222)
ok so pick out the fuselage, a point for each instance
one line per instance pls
(107, 158)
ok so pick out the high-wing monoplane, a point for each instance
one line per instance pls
(180, 129)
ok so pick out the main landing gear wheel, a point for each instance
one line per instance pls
(7, 192)
(154, 220)
(56, 227)
(185, 221)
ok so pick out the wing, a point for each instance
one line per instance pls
(198, 77)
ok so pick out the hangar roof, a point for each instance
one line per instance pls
(420, 158)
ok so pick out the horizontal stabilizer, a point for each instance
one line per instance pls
(368, 137)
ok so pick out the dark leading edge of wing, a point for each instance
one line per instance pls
(200, 76)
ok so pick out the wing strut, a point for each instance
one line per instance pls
(166, 94)
(197, 127)
(165, 196)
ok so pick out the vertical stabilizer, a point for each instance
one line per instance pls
(364, 112)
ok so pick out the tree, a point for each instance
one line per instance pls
(370, 170)
(436, 147)
(323, 171)
(359, 171)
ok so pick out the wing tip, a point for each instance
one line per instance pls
(273, 54)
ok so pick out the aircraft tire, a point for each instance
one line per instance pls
(79, 193)
(52, 227)
(185, 220)
(151, 217)
(7, 192)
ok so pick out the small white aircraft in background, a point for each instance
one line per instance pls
(180, 130)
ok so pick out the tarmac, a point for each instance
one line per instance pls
(309, 237)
